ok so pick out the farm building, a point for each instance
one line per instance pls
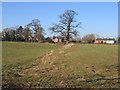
(105, 41)
(57, 39)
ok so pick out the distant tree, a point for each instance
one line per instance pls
(66, 26)
(12, 35)
(6, 34)
(77, 39)
(48, 39)
(9, 34)
(19, 34)
(89, 38)
(27, 34)
(38, 30)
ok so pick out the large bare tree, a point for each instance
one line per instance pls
(67, 25)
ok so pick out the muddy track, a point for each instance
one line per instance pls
(50, 58)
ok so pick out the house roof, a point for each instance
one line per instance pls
(105, 39)
(57, 37)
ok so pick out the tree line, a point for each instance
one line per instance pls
(33, 32)
(67, 28)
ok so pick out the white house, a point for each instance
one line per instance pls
(110, 41)
(105, 41)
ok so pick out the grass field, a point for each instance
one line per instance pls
(44, 65)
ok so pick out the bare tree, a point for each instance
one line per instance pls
(19, 33)
(27, 34)
(8, 34)
(90, 38)
(67, 26)
(37, 29)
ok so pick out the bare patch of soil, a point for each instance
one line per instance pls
(48, 60)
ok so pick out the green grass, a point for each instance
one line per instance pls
(22, 53)
(16, 56)
(83, 65)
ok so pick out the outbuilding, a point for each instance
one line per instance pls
(105, 41)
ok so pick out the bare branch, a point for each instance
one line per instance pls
(66, 26)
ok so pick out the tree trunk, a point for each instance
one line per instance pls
(68, 32)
